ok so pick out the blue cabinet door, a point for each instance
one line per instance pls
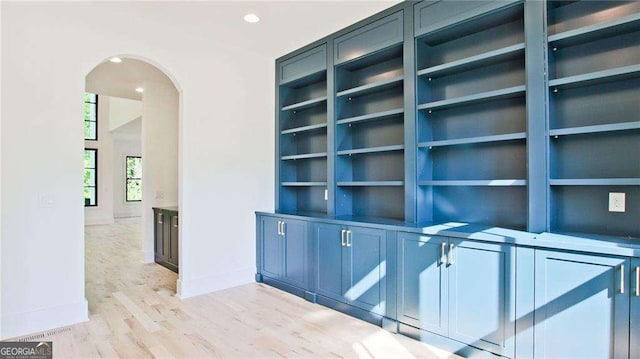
(329, 261)
(635, 309)
(272, 260)
(295, 253)
(482, 295)
(581, 306)
(366, 250)
(423, 282)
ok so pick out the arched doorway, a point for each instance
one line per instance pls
(134, 142)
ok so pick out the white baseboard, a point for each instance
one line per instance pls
(203, 285)
(92, 221)
(148, 256)
(21, 324)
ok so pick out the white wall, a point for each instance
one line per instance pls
(224, 70)
(123, 146)
(0, 183)
(123, 111)
(160, 133)
(103, 212)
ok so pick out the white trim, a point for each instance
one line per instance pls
(39, 320)
(214, 283)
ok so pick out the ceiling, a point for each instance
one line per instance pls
(131, 129)
(121, 80)
(218, 22)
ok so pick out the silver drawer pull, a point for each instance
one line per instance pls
(638, 281)
(451, 261)
(343, 237)
(349, 238)
(622, 279)
(443, 256)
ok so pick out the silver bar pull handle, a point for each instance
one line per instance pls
(349, 238)
(279, 228)
(451, 261)
(638, 281)
(175, 224)
(343, 237)
(443, 256)
(284, 228)
(160, 218)
(622, 279)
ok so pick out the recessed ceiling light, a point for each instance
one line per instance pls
(116, 60)
(140, 90)
(251, 18)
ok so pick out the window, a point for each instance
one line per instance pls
(134, 178)
(90, 177)
(90, 116)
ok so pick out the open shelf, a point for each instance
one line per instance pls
(303, 199)
(596, 155)
(593, 32)
(583, 209)
(305, 128)
(381, 199)
(474, 183)
(497, 164)
(371, 150)
(624, 126)
(305, 81)
(372, 87)
(475, 98)
(305, 104)
(372, 58)
(471, 140)
(626, 72)
(382, 115)
(304, 156)
(371, 183)
(501, 206)
(491, 57)
(595, 182)
(304, 184)
(613, 105)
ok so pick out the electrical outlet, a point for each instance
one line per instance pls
(616, 202)
(46, 201)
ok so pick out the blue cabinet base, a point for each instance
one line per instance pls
(258, 277)
(299, 292)
(311, 297)
(356, 312)
(390, 325)
(455, 347)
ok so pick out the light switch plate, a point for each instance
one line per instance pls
(617, 202)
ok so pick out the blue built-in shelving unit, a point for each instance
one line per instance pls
(594, 137)
(444, 167)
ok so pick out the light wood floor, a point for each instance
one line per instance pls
(134, 314)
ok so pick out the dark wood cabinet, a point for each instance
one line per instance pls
(166, 237)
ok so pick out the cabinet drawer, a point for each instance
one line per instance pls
(305, 64)
(430, 16)
(375, 36)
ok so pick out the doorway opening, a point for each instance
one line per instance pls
(132, 141)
